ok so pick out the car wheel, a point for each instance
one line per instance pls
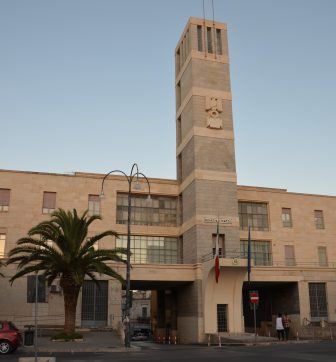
(5, 347)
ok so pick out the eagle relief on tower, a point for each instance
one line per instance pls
(214, 107)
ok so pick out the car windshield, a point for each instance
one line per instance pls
(12, 326)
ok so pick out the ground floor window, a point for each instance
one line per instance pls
(31, 289)
(222, 317)
(260, 251)
(318, 301)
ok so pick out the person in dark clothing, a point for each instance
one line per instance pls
(286, 324)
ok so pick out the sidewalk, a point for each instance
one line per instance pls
(93, 341)
(109, 341)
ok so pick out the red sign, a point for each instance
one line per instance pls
(254, 297)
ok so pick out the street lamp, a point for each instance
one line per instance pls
(133, 176)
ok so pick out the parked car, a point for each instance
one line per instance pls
(140, 337)
(10, 337)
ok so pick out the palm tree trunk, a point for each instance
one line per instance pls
(70, 292)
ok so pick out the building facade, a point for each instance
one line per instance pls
(173, 235)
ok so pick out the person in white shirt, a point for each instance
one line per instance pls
(279, 327)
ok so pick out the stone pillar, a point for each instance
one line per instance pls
(161, 313)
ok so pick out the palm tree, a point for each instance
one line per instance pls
(60, 248)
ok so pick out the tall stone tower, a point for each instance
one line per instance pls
(206, 166)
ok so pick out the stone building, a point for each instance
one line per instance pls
(173, 235)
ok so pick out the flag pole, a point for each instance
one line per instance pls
(217, 267)
(249, 256)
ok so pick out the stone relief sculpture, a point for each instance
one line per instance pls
(214, 107)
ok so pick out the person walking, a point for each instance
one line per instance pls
(286, 323)
(279, 327)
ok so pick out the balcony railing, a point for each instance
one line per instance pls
(266, 260)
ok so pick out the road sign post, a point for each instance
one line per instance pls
(254, 300)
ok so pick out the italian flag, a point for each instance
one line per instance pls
(217, 268)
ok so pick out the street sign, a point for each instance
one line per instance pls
(254, 297)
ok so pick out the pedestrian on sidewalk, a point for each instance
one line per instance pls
(286, 323)
(279, 327)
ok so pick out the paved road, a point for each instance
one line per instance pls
(320, 352)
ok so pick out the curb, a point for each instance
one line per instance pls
(87, 350)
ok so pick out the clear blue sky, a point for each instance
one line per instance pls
(89, 86)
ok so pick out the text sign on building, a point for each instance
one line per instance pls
(221, 220)
(254, 297)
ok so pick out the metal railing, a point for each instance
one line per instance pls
(265, 260)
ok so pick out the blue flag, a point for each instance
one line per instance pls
(249, 255)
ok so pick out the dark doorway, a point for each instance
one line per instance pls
(94, 303)
(274, 298)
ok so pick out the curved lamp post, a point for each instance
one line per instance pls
(133, 176)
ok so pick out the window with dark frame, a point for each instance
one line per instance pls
(152, 249)
(94, 205)
(260, 252)
(49, 202)
(4, 200)
(31, 289)
(222, 322)
(158, 211)
(254, 214)
(209, 39)
(319, 219)
(318, 301)
(221, 244)
(199, 38)
(287, 218)
(219, 41)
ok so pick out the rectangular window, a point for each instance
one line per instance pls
(178, 95)
(4, 200)
(158, 211)
(177, 62)
(260, 252)
(178, 131)
(254, 214)
(152, 249)
(287, 218)
(221, 244)
(318, 301)
(49, 202)
(219, 41)
(289, 255)
(94, 205)
(322, 256)
(209, 40)
(222, 317)
(199, 38)
(2, 245)
(31, 289)
(144, 312)
(319, 219)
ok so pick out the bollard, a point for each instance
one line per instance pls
(169, 339)
(297, 335)
(269, 333)
(209, 340)
(331, 334)
(219, 341)
(158, 339)
(164, 340)
(175, 340)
